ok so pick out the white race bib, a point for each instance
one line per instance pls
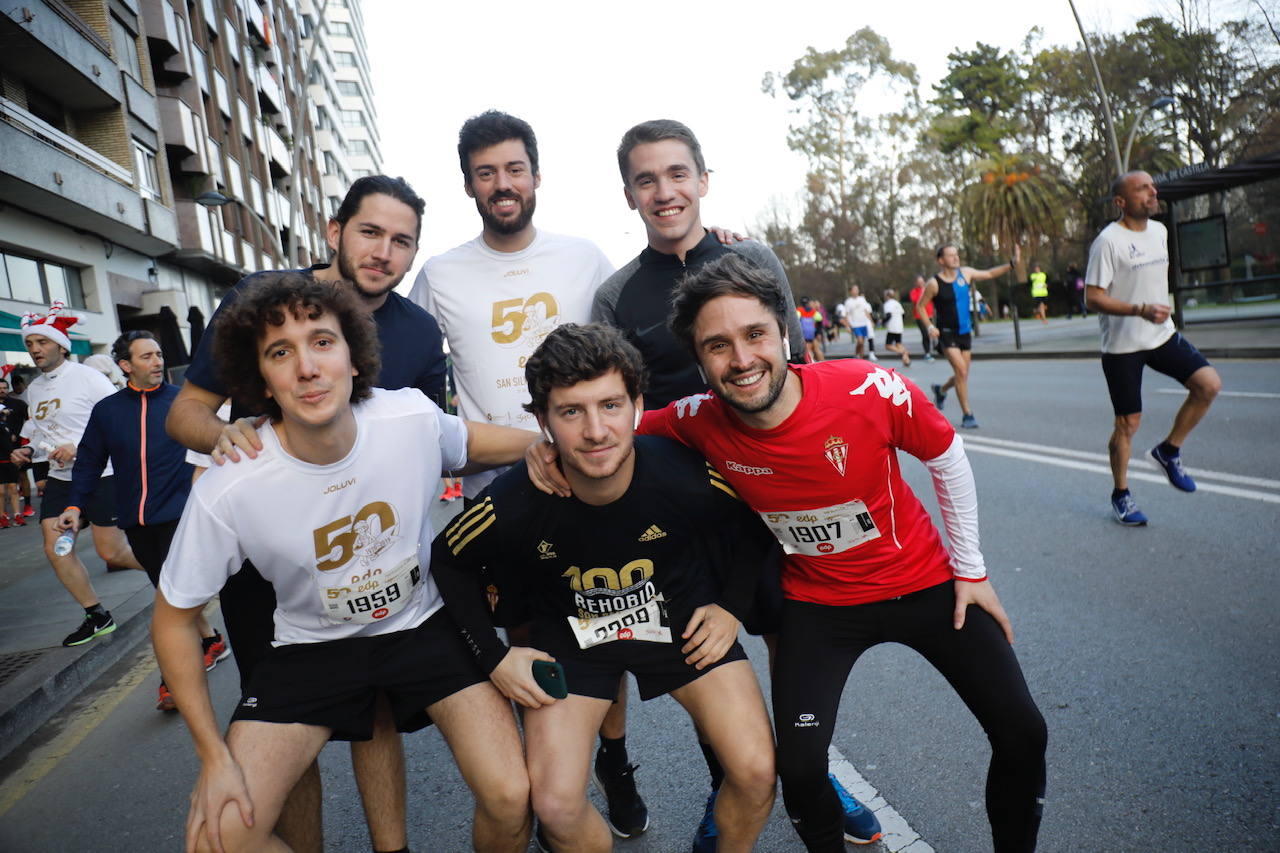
(826, 530)
(642, 622)
(376, 596)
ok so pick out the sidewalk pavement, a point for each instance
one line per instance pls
(38, 676)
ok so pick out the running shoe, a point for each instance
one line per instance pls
(707, 836)
(939, 396)
(969, 422)
(91, 628)
(215, 651)
(165, 701)
(447, 494)
(928, 359)
(28, 511)
(872, 356)
(19, 521)
(626, 812)
(1173, 469)
(1127, 512)
(4, 520)
(861, 826)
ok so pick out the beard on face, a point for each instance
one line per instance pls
(507, 226)
(348, 272)
(777, 379)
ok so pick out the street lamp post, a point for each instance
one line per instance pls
(1158, 104)
(213, 198)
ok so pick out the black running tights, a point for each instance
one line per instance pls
(817, 647)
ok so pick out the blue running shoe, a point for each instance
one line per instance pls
(1127, 512)
(969, 422)
(860, 824)
(1173, 469)
(939, 396)
(707, 836)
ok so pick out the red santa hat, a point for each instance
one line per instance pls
(53, 325)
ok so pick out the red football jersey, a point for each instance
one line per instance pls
(827, 479)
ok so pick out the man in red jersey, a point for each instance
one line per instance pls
(864, 564)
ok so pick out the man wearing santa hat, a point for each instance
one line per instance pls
(60, 400)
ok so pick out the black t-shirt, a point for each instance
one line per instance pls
(14, 415)
(573, 561)
(412, 348)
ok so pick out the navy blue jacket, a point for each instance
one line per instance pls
(152, 475)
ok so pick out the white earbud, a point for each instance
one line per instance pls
(786, 348)
(639, 415)
(702, 373)
(547, 436)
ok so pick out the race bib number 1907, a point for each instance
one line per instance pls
(826, 530)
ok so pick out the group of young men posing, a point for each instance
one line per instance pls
(657, 455)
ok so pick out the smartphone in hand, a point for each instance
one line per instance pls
(550, 677)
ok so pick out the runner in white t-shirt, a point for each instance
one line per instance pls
(331, 511)
(60, 400)
(1127, 283)
(857, 310)
(893, 314)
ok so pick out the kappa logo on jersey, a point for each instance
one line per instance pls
(690, 405)
(890, 386)
(546, 551)
(837, 452)
(654, 532)
(750, 470)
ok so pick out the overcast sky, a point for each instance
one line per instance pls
(583, 72)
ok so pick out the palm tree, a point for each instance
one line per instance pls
(1013, 198)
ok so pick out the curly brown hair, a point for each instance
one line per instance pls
(262, 302)
(573, 354)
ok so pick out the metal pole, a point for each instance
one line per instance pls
(1102, 92)
(1013, 309)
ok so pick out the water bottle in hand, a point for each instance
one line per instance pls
(63, 544)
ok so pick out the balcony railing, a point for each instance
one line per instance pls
(47, 133)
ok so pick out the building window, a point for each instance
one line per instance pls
(352, 118)
(344, 58)
(359, 147)
(126, 45)
(41, 282)
(144, 161)
(349, 87)
(339, 28)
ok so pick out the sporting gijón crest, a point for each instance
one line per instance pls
(836, 451)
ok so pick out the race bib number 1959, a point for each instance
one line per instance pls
(376, 596)
(826, 530)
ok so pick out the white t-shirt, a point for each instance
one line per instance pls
(327, 537)
(858, 310)
(893, 316)
(495, 308)
(1132, 266)
(60, 402)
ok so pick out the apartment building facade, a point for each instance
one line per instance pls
(153, 152)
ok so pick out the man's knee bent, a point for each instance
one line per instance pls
(754, 773)
(558, 806)
(1127, 425)
(505, 799)
(1205, 385)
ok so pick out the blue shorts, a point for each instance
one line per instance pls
(1175, 358)
(860, 331)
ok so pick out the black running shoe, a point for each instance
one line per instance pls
(626, 813)
(91, 628)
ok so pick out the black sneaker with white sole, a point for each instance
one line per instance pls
(91, 628)
(626, 813)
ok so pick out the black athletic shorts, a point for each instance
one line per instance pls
(101, 509)
(950, 338)
(1175, 358)
(40, 470)
(8, 472)
(336, 684)
(892, 338)
(659, 668)
(150, 544)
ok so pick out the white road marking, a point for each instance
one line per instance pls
(1139, 468)
(1265, 395)
(899, 837)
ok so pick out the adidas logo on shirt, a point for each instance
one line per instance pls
(654, 532)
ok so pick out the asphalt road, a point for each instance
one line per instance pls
(1152, 653)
